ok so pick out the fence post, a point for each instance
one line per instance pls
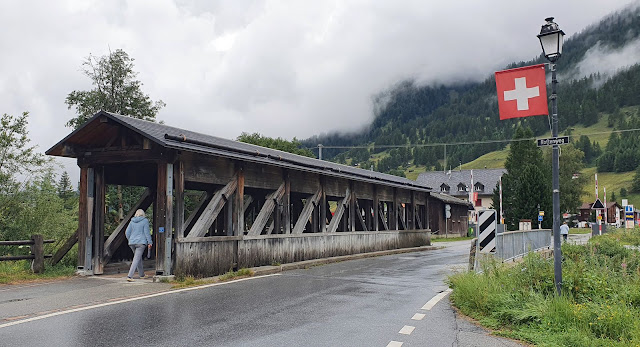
(37, 250)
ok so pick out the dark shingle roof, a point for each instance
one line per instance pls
(487, 177)
(448, 199)
(207, 144)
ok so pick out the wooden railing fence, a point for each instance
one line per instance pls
(37, 251)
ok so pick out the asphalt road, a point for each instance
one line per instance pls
(378, 301)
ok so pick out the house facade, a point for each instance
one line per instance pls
(457, 183)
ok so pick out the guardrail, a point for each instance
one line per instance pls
(514, 244)
(37, 251)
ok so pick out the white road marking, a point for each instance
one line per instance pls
(406, 330)
(418, 316)
(394, 344)
(429, 305)
(54, 314)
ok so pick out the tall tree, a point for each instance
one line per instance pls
(294, 146)
(635, 183)
(571, 182)
(115, 89)
(526, 184)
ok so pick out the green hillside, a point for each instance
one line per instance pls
(599, 133)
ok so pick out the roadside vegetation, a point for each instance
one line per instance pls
(449, 239)
(190, 281)
(13, 272)
(599, 305)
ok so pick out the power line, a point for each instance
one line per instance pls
(467, 142)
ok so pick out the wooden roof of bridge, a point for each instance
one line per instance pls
(100, 130)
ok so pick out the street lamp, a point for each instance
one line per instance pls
(551, 41)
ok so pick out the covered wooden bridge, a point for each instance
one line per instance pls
(219, 204)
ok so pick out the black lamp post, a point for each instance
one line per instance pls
(551, 38)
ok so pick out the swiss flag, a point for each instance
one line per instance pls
(522, 92)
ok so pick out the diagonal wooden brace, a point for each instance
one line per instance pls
(263, 216)
(359, 216)
(118, 235)
(312, 202)
(213, 209)
(401, 218)
(337, 216)
(382, 219)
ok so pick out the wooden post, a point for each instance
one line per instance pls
(376, 209)
(286, 204)
(160, 217)
(352, 209)
(169, 220)
(394, 210)
(412, 214)
(82, 217)
(239, 208)
(322, 206)
(178, 221)
(37, 250)
(88, 249)
(98, 223)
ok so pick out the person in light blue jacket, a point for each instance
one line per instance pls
(139, 238)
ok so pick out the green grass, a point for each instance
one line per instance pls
(491, 160)
(190, 281)
(12, 272)
(442, 239)
(579, 230)
(599, 306)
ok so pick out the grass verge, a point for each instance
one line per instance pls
(443, 239)
(599, 305)
(190, 281)
(12, 272)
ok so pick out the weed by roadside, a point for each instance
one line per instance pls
(599, 305)
(12, 272)
(450, 239)
(190, 281)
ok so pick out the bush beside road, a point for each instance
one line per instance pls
(599, 306)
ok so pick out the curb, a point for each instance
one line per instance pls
(269, 270)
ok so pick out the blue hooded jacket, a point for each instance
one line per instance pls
(138, 231)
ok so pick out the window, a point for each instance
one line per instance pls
(462, 187)
(478, 187)
(444, 188)
(479, 202)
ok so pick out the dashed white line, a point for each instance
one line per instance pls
(418, 316)
(429, 305)
(406, 330)
(394, 344)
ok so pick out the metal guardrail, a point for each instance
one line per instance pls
(514, 244)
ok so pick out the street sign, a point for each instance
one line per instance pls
(629, 216)
(562, 140)
(486, 230)
(541, 213)
(597, 205)
(539, 218)
(447, 211)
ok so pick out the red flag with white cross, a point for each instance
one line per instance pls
(522, 92)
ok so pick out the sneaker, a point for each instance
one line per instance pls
(143, 277)
(129, 279)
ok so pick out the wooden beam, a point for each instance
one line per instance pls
(381, 216)
(376, 209)
(168, 233)
(323, 204)
(412, 211)
(352, 209)
(418, 219)
(88, 232)
(363, 224)
(240, 205)
(119, 157)
(214, 207)
(82, 216)
(337, 216)
(65, 248)
(178, 222)
(308, 209)
(246, 204)
(118, 235)
(401, 219)
(265, 213)
(98, 223)
(160, 218)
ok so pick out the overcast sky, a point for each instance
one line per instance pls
(280, 68)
